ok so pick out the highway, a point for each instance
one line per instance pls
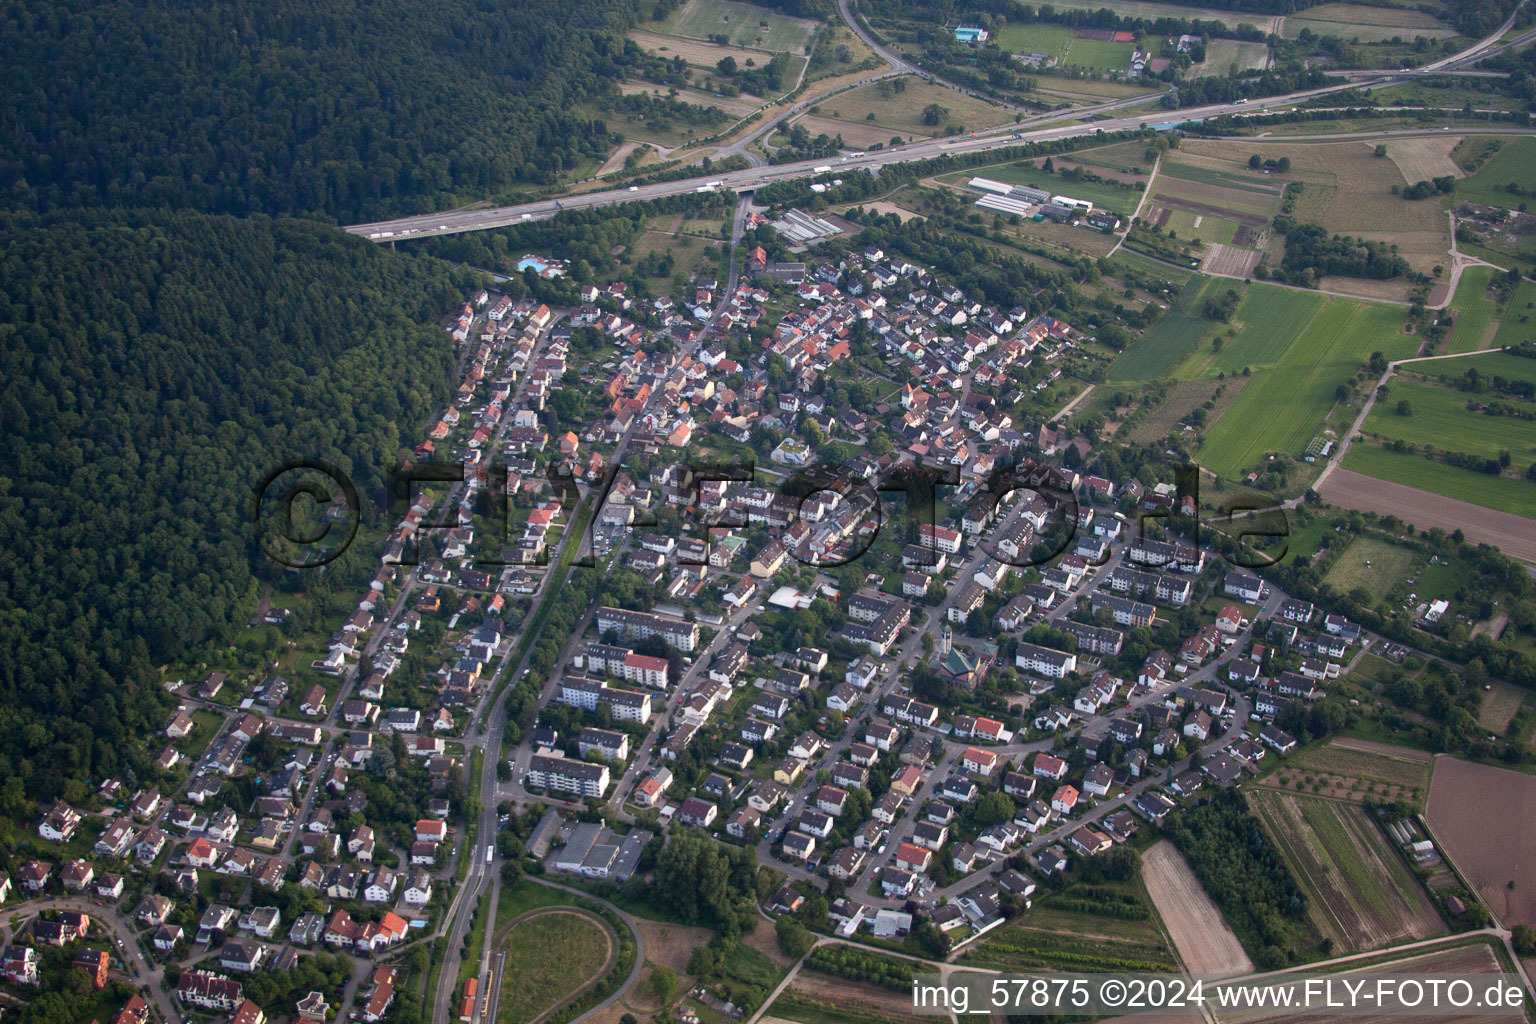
(1002, 137)
(458, 221)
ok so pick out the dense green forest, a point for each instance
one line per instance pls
(153, 367)
(345, 109)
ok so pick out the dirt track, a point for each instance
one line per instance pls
(1514, 535)
(1200, 934)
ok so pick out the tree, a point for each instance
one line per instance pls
(1381, 149)
(993, 808)
(664, 984)
(1403, 408)
(726, 66)
(934, 114)
(795, 939)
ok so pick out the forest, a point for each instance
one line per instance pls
(345, 110)
(153, 366)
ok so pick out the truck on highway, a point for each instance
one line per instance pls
(711, 186)
(822, 169)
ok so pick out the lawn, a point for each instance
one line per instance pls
(1098, 55)
(1284, 406)
(1167, 342)
(548, 958)
(1372, 564)
(745, 24)
(1515, 162)
(1517, 497)
(1438, 416)
(1475, 312)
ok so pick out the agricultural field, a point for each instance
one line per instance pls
(1501, 493)
(1401, 767)
(1106, 926)
(880, 106)
(1183, 398)
(1222, 55)
(1367, 24)
(1517, 324)
(1189, 12)
(1419, 492)
(814, 998)
(1345, 187)
(550, 955)
(1424, 158)
(1514, 163)
(1360, 893)
(1294, 387)
(1169, 342)
(746, 25)
(1373, 565)
(1205, 942)
(1452, 959)
(1438, 417)
(1481, 817)
(1476, 313)
(1489, 364)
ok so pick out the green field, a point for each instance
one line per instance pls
(1300, 365)
(1097, 55)
(548, 958)
(1269, 321)
(1169, 341)
(1373, 564)
(1517, 497)
(1514, 163)
(1474, 312)
(745, 24)
(1439, 416)
(1051, 40)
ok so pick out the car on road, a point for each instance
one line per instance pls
(634, 188)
